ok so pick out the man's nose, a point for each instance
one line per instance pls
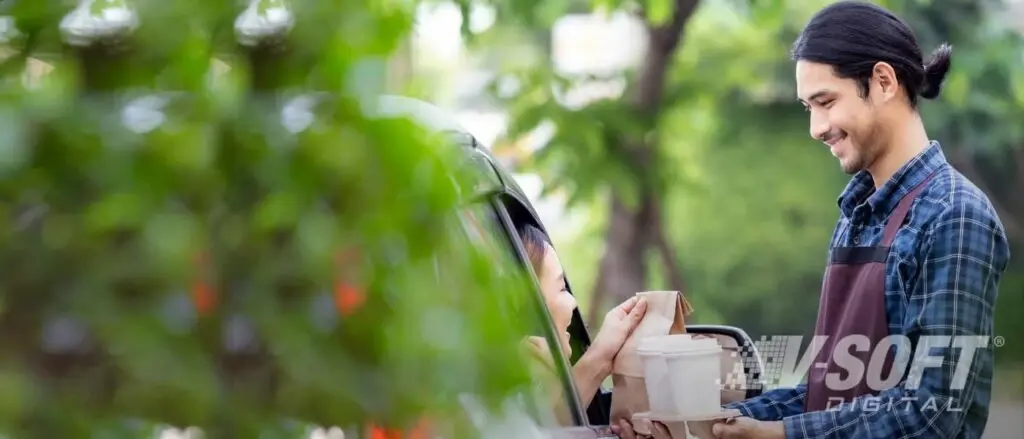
(819, 128)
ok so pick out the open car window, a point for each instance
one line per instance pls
(552, 398)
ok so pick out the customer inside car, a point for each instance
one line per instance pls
(595, 365)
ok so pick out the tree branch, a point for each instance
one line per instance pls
(667, 37)
(662, 43)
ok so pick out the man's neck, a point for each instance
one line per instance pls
(902, 146)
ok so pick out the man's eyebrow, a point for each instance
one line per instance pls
(815, 96)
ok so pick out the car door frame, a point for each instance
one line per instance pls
(584, 427)
(564, 368)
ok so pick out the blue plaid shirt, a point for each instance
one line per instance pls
(941, 279)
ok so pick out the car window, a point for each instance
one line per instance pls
(484, 229)
(552, 393)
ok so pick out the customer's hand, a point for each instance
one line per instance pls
(618, 324)
(625, 430)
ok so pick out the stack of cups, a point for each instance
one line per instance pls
(682, 377)
(656, 374)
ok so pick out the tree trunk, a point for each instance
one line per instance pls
(658, 238)
(622, 270)
(631, 232)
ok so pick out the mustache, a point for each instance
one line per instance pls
(831, 135)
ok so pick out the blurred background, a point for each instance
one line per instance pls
(660, 140)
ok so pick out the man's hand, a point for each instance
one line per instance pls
(617, 325)
(747, 428)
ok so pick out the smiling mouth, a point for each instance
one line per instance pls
(832, 141)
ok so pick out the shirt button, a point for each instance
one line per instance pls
(856, 240)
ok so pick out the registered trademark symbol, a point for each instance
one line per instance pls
(998, 341)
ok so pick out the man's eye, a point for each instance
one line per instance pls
(828, 103)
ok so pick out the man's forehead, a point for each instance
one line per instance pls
(814, 80)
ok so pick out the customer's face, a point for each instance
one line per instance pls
(850, 125)
(560, 303)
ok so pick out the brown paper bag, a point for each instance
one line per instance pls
(665, 313)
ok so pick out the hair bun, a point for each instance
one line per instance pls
(935, 71)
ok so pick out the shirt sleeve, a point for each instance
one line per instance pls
(950, 306)
(773, 405)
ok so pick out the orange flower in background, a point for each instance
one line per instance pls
(420, 431)
(383, 433)
(204, 297)
(347, 297)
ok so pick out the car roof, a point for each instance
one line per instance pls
(426, 114)
(436, 119)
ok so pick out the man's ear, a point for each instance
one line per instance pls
(883, 78)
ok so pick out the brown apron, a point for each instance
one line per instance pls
(853, 303)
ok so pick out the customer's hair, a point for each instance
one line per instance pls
(852, 36)
(535, 243)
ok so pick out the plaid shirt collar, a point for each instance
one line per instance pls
(861, 187)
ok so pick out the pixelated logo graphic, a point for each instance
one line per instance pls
(853, 360)
(778, 356)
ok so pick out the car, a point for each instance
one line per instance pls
(496, 209)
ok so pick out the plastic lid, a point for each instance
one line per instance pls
(684, 343)
(649, 345)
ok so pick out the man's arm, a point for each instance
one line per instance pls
(964, 255)
(773, 405)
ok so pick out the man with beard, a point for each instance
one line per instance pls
(917, 253)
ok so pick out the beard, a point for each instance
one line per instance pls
(854, 164)
(865, 149)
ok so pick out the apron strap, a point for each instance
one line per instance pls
(899, 215)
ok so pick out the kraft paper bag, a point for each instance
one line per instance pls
(665, 313)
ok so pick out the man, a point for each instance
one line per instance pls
(917, 253)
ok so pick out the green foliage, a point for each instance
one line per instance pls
(170, 236)
(658, 12)
(512, 14)
(752, 240)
